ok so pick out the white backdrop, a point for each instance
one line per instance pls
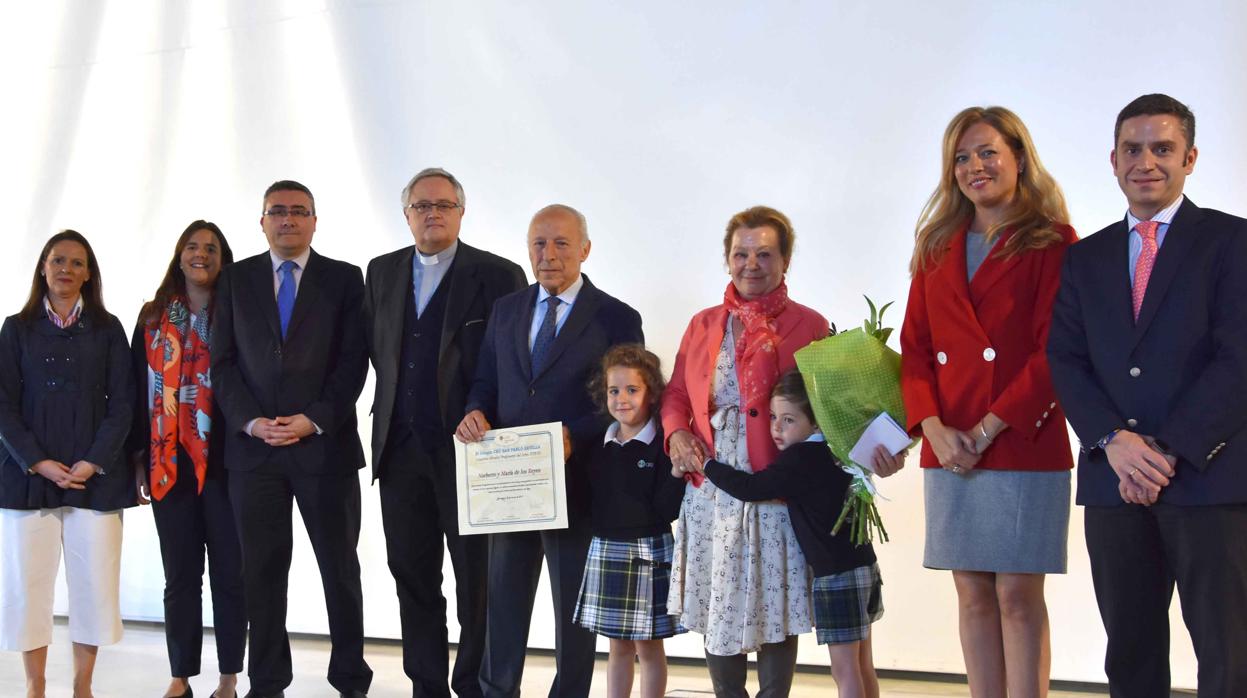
(127, 120)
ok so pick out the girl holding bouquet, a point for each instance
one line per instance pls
(847, 589)
(995, 453)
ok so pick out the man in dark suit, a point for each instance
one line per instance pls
(1148, 352)
(289, 361)
(425, 308)
(540, 349)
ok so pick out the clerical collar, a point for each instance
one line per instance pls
(442, 257)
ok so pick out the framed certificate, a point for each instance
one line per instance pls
(512, 480)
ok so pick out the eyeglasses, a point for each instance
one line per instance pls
(423, 207)
(282, 212)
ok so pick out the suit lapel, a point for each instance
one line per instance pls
(396, 284)
(1179, 240)
(463, 289)
(952, 272)
(261, 278)
(520, 333)
(582, 313)
(990, 272)
(309, 293)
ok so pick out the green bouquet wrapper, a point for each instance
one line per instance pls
(852, 377)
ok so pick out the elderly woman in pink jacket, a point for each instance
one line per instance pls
(732, 556)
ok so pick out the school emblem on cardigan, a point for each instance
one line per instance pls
(644, 464)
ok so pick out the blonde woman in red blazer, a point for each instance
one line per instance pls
(995, 452)
(731, 556)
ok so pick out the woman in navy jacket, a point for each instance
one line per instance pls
(66, 394)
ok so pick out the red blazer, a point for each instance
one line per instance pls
(971, 348)
(686, 404)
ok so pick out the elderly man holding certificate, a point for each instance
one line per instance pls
(540, 348)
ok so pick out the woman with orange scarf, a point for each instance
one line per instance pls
(177, 450)
(738, 576)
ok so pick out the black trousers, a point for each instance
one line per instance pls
(188, 524)
(330, 508)
(514, 569)
(418, 509)
(1137, 556)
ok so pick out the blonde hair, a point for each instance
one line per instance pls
(1038, 203)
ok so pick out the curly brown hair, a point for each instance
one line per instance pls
(634, 356)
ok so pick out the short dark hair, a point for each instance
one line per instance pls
(1158, 104)
(630, 356)
(289, 185)
(791, 387)
(92, 289)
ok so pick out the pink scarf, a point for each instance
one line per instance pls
(757, 361)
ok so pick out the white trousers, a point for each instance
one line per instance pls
(30, 553)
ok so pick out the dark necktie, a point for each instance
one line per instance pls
(285, 294)
(545, 334)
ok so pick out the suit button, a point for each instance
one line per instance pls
(942, 358)
(277, 353)
(532, 391)
(1052, 405)
(416, 335)
(411, 364)
(989, 354)
(1135, 372)
(1038, 424)
(1045, 415)
(1132, 422)
(753, 412)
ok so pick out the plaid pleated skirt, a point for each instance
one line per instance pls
(624, 591)
(846, 604)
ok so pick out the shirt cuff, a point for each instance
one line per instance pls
(247, 427)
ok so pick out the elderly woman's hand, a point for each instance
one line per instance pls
(953, 448)
(687, 452)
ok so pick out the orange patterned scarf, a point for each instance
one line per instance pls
(181, 412)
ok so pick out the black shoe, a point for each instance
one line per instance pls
(353, 693)
(216, 694)
(188, 693)
(254, 694)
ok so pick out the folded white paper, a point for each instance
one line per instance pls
(882, 431)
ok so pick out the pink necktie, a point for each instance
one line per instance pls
(1143, 266)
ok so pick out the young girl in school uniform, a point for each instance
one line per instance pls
(847, 589)
(635, 498)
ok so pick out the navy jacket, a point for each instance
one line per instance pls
(1178, 374)
(509, 395)
(65, 394)
(318, 370)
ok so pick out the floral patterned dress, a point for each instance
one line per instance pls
(738, 576)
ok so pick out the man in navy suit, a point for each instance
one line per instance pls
(1148, 352)
(541, 346)
(289, 360)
